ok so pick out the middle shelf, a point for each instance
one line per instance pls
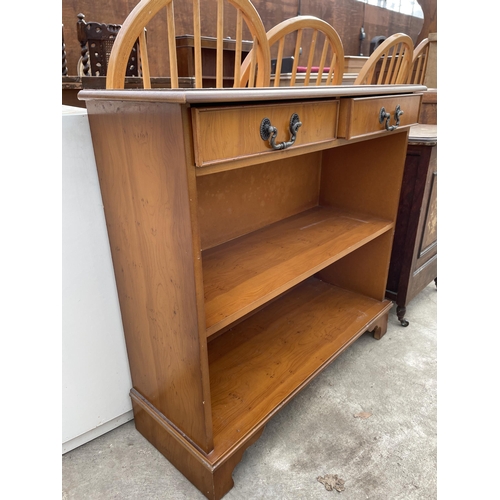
(243, 274)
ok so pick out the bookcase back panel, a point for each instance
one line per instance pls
(365, 177)
(237, 202)
(363, 271)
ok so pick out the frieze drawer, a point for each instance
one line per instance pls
(364, 116)
(235, 132)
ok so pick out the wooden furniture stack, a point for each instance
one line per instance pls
(243, 269)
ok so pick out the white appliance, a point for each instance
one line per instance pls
(95, 371)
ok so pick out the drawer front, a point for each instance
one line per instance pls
(228, 133)
(360, 117)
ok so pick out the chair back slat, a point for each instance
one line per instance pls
(399, 60)
(198, 69)
(321, 66)
(296, 56)
(238, 48)
(418, 69)
(279, 61)
(387, 61)
(144, 60)
(312, 49)
(253, 66)
(333, 63)
(220, 40)
(172, 52)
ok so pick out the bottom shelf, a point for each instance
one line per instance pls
(261, 363)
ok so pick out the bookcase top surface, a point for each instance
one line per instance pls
(209, 95)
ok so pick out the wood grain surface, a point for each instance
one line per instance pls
(245, 273)
(257, 366)
(140, 157)
(226, 133)
(227, 316)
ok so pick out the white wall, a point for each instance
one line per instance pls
(95, 371)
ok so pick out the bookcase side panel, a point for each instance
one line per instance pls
(142, 156)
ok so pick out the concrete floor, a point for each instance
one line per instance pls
(389, 455)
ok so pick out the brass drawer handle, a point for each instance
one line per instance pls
(387, 117)
(268, 132)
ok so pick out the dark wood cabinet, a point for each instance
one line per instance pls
(414, 253)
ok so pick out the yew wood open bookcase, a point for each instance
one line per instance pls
(244, 270)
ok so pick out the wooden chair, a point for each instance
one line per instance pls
(419, 64)
(96, 41)
(390, 62)
(330, 69)
(145, 10)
